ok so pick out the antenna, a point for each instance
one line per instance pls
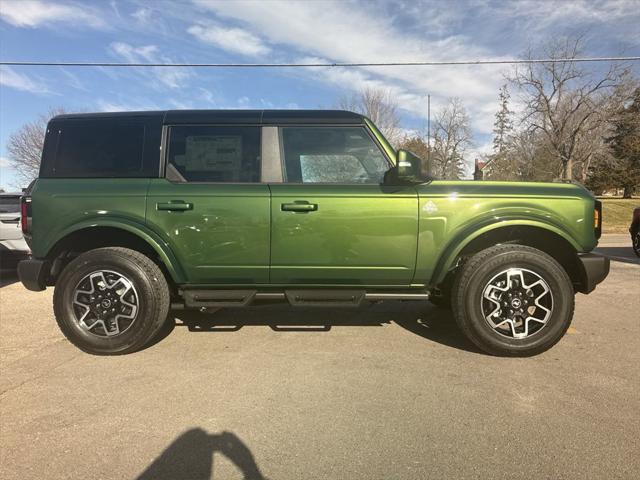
(429, 132)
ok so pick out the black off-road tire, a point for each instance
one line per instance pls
(635, 239)
(477, 272)
(149, 283)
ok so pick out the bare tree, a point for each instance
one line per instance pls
(564, 102)
(25, 147)
(379, 106)
(451, 138)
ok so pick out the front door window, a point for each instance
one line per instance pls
(345, 155)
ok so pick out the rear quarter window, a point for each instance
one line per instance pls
(99, 148)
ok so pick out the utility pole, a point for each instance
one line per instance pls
(429, 132)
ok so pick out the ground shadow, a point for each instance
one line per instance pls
(420, 318)
(191, 456)
(7, 277)
(619, 254)
(9, 267)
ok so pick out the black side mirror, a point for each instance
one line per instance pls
(408, 169)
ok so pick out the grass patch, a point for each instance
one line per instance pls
(616, 213)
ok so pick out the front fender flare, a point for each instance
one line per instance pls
(452, 251)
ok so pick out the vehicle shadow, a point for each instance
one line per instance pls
(7, 277)
(420, 318)
(191, 456)
(619, 254)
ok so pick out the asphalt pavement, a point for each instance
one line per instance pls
(390, 390)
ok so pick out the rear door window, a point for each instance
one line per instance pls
(220, 154)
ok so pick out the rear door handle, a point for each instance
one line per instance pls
(177, 206)
(299, 207)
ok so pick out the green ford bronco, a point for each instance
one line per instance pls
(137, 213)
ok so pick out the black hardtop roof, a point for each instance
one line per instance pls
(264, 117)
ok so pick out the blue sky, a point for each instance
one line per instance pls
(281, 31)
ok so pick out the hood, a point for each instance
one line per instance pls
(469, 188)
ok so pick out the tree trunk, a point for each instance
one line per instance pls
(628, 191)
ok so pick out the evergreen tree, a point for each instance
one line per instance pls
(503, 126)
(503, 164)
(620, 167)
(625, 146)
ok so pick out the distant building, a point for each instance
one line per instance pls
(480, 169)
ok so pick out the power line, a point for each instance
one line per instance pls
(317, 64)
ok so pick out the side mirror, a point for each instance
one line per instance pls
(408, 167)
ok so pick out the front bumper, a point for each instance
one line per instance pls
(594, 269)
(34, 274)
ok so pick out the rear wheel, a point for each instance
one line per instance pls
(111, 301)
(513, 300)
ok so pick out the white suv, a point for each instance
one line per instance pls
(11, 239)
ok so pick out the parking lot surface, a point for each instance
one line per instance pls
(389, 390)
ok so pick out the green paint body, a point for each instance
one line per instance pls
(358, 235)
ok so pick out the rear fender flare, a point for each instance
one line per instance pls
(151, 238)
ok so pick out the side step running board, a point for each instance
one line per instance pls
(218, 298)
(325, 298)
(299, 298)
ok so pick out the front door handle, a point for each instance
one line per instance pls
(177, 206)
(299, 207)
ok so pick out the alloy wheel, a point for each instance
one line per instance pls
(517, 303)
(105, 303)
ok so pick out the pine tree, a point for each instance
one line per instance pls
(503, 126)
(625, 146)
(503, 164)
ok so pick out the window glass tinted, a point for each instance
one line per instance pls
(9, 204)
(215, 154)
(99, 148)
(332, 155)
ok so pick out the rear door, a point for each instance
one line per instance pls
(212, 208)
(333, 220)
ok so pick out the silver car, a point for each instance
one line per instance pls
(11, 239)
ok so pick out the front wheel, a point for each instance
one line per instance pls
(513, 300)
(111, 301)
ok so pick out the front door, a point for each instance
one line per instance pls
(211, 208)
(333, 220)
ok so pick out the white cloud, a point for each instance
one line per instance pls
(234, 40)
(135, 54)
(542, 14)
(36, 13)
(207, 95)
(110, 106)
(481, 150)
(19, 81)
(342, 33)
(4, 162)
(168, 77)
(142, 15)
